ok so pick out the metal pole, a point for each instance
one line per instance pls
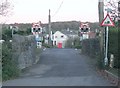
(106, 48)
(1, 52)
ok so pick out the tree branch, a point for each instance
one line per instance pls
(4, 8)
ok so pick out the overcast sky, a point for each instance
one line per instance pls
(28, 11)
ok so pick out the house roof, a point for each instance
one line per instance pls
(58, 32)
(69, 32)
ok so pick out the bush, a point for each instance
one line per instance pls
(46, 45)
(23, 32)
(73, 43)
(78, 46)
(7, 34)
(91, 47)
(28, 31)
(69, 43)
(113, 45)
(9, 65)
(100, 61)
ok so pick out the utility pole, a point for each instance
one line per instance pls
(49, 26)
(101, 17)
(0, 31)
(101, 10)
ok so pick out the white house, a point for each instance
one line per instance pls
(46, 37)
(59, 39)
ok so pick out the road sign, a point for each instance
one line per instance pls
(107, 21)
(37, 38)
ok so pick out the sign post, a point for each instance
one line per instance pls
(37, 32)
(106, 48)
(107, 22)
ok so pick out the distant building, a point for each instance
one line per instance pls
(70, 33)
(59, 39)
(46, 38)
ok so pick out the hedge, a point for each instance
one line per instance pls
(113, 45)
(91, 47)
(9, 68)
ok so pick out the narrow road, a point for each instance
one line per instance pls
(60, 67)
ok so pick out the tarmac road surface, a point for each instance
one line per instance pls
(60, 67)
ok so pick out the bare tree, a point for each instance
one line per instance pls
(4, 7)
(112, 5)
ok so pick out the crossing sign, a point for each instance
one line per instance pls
(107, 21)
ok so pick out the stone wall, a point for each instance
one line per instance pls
(24, 50)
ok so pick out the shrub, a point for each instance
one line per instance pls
(9, 65)
(100, 61)
(21, 32)
(28, 31)
(78, 46)
(113, 45)
(91, 47)
(69, 43)
(46, 45)
(6, 34)
(73, 43)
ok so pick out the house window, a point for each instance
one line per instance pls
(62, 36)
(55, 36)
(55, 42)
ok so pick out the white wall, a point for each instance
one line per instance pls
(59, 37)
